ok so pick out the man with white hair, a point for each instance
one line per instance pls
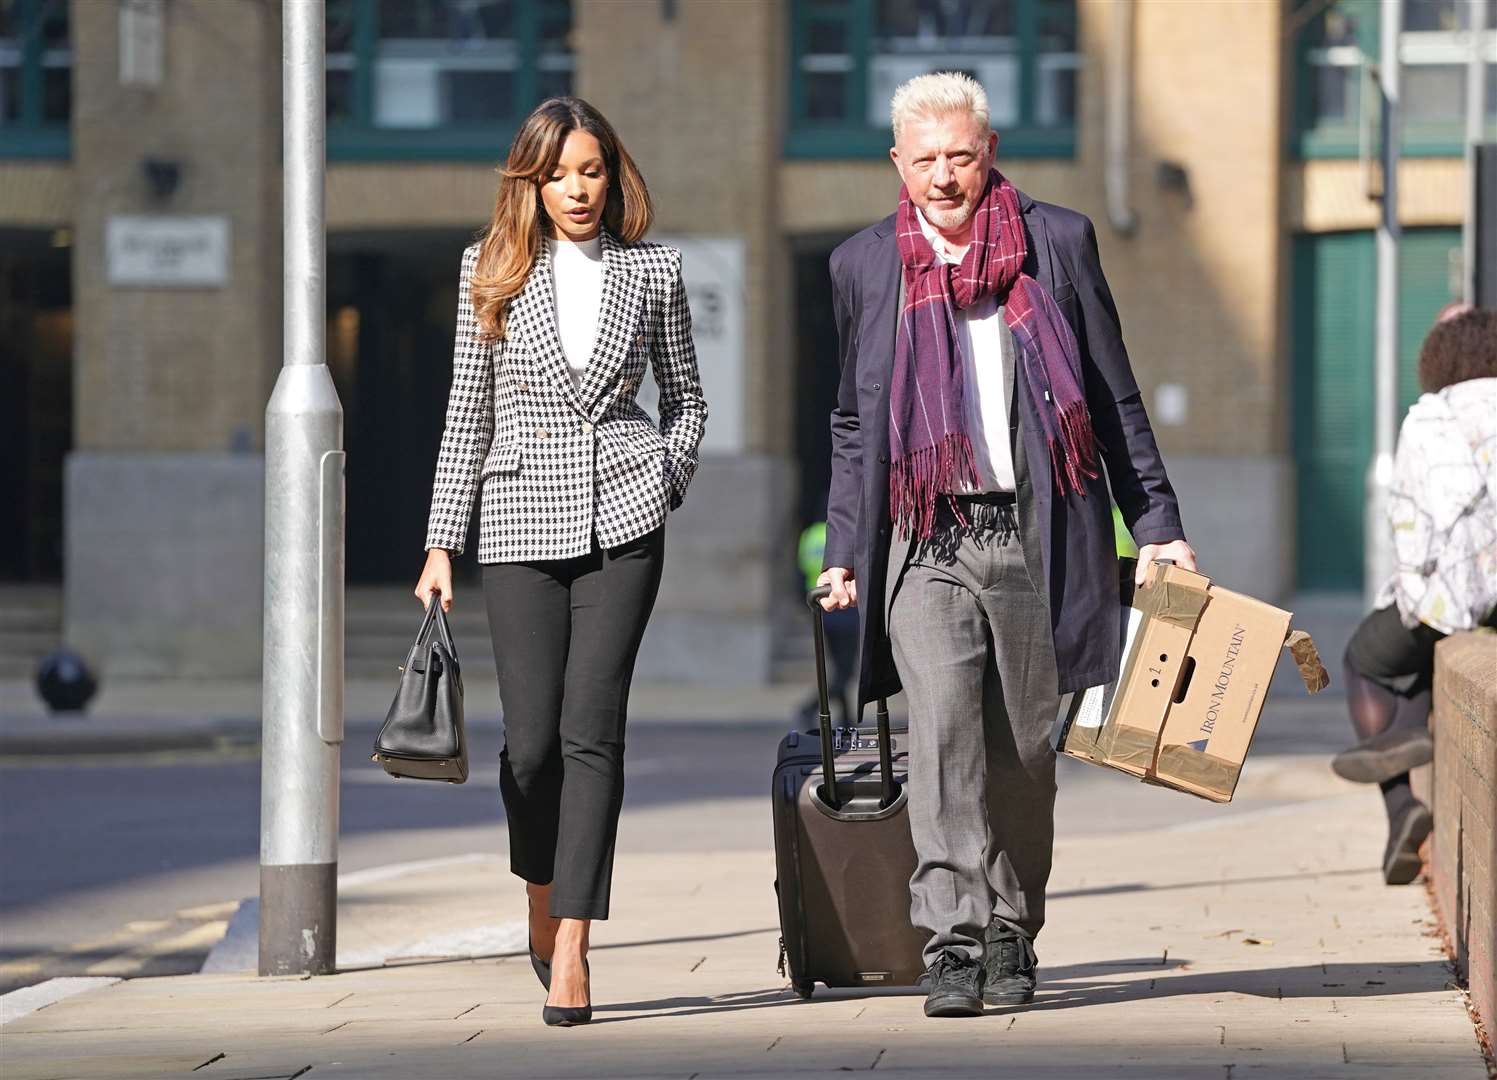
(983, 370)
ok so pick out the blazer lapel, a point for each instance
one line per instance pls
(618, 315)
(534, 315)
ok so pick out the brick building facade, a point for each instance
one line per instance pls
(755, 123)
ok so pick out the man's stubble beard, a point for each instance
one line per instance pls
(949, 219)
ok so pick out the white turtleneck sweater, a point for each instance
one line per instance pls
(577, 279)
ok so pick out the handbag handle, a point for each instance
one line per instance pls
(434, 613)
(442, 628)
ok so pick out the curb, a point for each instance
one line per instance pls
(30, 999)
(239, 949)
(103, 737)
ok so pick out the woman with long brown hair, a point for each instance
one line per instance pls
(561, 308)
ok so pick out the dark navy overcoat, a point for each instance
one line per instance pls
(1075, 533)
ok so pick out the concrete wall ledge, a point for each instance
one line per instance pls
(1464, 857)
(164, 562)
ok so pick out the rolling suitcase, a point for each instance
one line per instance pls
(843, 854)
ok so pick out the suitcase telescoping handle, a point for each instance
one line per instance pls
(824, 704)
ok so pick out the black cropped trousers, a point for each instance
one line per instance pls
(566, 633)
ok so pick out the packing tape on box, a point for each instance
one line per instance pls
(1197, 767)
(1130, 746)
(1177, 604)
(1085, 743)
(1307, 658)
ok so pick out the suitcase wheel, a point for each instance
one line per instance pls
(803, 989)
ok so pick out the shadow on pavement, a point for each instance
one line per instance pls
(1083, 985)
(1307, 981)
(695, 1006)
(1142, 886)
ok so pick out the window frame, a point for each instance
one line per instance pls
(1310, 141)
(359, 139)
(30, 135)
(848, 138)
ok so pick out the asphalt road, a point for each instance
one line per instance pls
(131, 866)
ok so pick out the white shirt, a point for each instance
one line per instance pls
(986, 345)
(577, 281)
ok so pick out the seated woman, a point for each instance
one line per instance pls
(1443, 511)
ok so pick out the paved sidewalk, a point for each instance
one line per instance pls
(1248, 944)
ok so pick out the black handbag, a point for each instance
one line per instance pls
(422, 737)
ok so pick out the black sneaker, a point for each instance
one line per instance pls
(1405, 833)
(1386, 755)
(1009, 967)
(955, 985)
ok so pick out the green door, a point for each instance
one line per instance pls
(1335, 317)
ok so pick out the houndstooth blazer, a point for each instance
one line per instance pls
(557, 463)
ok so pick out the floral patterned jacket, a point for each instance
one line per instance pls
(1443, 509)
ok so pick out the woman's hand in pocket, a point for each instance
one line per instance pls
(436, 578)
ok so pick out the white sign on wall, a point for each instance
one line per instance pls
(712, 267)
(160, 252)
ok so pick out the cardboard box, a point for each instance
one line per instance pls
(1196, 664)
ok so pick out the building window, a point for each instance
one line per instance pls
(36, 84)
(848, 56)
(440, 78)
(1336, 101)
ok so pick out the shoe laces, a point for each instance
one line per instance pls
(954, 966)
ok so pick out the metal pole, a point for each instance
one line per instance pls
(1378, 559)
(304, 534)
(1476, 115)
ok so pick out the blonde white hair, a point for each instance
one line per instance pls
(938, 94)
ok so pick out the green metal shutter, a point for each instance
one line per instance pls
(1334, 278)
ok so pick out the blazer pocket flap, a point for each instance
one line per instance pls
(1063, 292)
(502, 459)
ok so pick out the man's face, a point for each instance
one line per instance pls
(944, 162)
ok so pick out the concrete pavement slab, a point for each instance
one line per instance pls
(1259, 944)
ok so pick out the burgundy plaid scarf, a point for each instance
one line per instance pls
(929, 445)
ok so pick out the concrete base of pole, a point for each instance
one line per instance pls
(298, 919)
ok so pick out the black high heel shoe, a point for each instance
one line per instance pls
(541, 967)
(570, 1015)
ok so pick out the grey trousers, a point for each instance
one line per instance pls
(972, 644)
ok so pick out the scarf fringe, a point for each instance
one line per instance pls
(1073, 453)
(916, 480)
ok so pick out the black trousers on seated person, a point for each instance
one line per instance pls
(566, 633)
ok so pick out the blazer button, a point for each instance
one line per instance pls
(542, 433)
(883, 459)
(876, 386)
(639, 339)
(587, 428)
(524, 388)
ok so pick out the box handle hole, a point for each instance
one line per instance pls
(1187, 669)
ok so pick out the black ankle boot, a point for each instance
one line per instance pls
(1386, 755)
(1406, 831)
